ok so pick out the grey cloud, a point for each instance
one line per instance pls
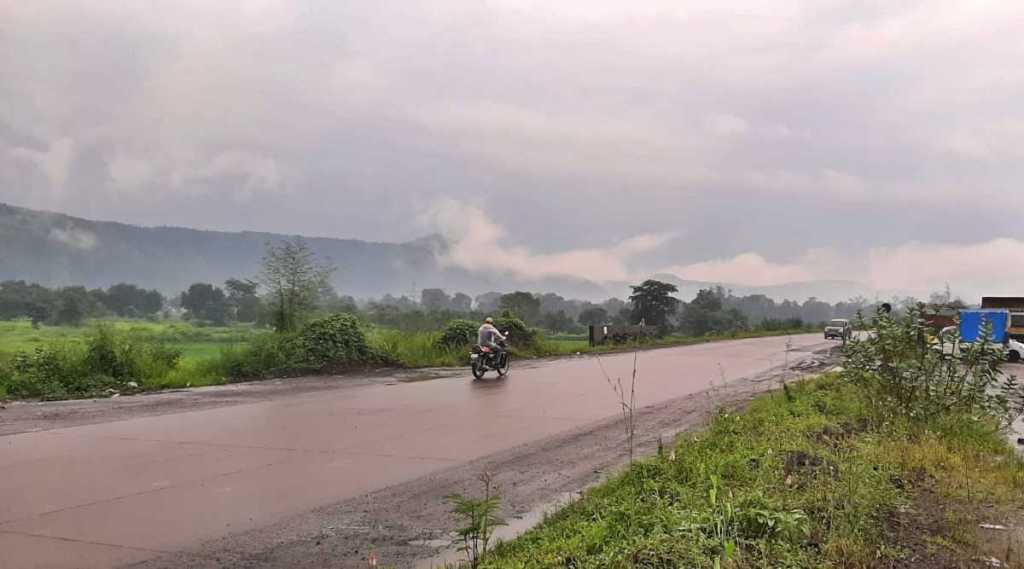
(764, 130)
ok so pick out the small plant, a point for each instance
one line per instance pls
(627, 402)
(481, 517)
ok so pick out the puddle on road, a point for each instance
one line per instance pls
(516, 527)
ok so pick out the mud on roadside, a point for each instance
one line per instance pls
(410, 522)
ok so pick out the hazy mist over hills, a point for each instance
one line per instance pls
(57, 250)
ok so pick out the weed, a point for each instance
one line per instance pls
(481, 517)
(627, 402)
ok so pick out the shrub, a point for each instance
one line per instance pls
(907, 375)
(458, 334)
(111, 354)
(333, 340)
(265, 355)
(520, 335)
(56, 371)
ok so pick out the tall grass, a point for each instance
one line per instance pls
(416, 349)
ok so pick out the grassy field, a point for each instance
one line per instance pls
(195, 342)
(803, 478)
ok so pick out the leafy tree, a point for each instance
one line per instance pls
(703, 314)
(593, 316)
(73, 305)
(293, 278)
(462, 302)
(243, 299)
(203, 301)
(816, 311)
(489, 302)
(653, 303)
(19, 299)
(434, 299)
(129, 300)
(557, 321)
(523, 304)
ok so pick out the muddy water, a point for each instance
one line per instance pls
(111, 493)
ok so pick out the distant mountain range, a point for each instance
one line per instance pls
(58, 250)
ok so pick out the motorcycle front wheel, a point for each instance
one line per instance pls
(478, 369)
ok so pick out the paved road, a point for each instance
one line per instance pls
(118, 492)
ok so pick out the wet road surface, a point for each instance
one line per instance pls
(114, 493)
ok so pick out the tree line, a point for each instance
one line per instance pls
(293, 286)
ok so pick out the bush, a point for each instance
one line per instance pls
(57, 371)
(337, 339)
(520, 335)
(107, 360)
(907, 375)
(266, 355)
(111, 354)
(458, 334)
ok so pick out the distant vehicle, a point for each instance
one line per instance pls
(1015, 304)
(838, 329)
(971, 325)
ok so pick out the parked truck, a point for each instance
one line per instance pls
(1015, 304)
(972, 329)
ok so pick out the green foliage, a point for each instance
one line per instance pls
(132, 301)
(203, 301)
(458, 334)
(416, 349)
(593, 316)
(337, 339)
(108, 359)
(521, 336)
(522, 305)
(707, 314)
(790, 482)
(293, 278)
(243, 299)
(654, 304)
(479, 516)
(910, 376)
(265, 355)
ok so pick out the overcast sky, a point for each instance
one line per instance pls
(756, 143)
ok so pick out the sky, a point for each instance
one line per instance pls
(755, 143)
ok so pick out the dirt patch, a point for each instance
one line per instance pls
(411, 522)
(936, 532)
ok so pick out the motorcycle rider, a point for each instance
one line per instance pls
(488, 336)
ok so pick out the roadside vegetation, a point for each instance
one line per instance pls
(897, 460)
(253, 328)
(288, 320)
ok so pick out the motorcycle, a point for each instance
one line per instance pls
(484, 359)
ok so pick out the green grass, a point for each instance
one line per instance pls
(202, 348)
(195, 342)
(794, 481)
